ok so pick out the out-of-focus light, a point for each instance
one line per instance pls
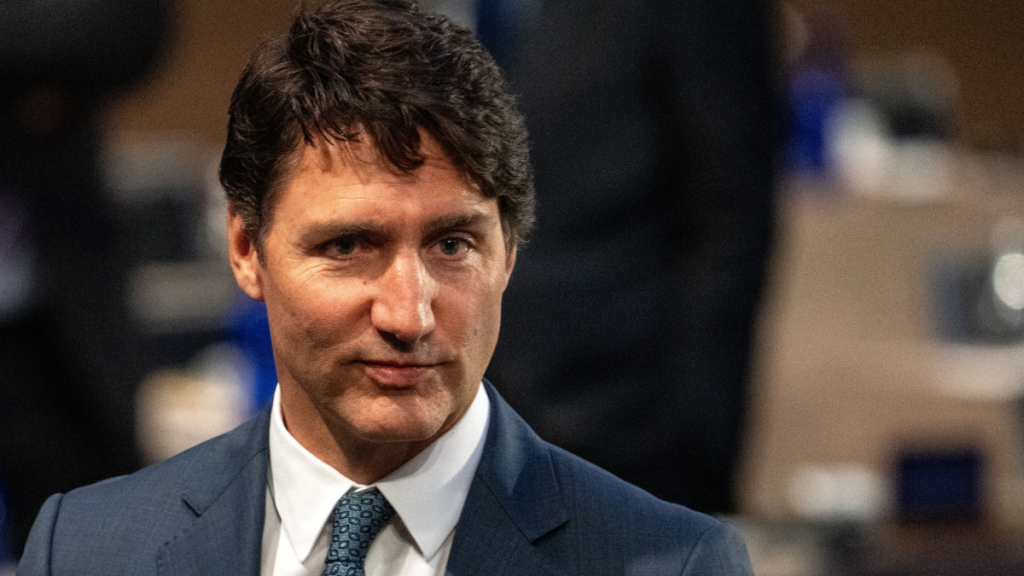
(859, 146)
(1008, 280)
(838, 492)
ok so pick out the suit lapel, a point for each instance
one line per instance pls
(514, 500)
(227, 534)
(487, 541)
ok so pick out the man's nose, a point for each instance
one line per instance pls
(403, 306)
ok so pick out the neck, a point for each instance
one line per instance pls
(360, 460)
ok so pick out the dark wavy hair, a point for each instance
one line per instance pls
(386, 69)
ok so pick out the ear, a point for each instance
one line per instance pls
(245, 262)
(510, 263)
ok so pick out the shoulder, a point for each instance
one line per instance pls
(620, 524)
(162, 485)
(596, 494)
(121, 522)
(579, 518)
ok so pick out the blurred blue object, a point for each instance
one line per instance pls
(814, 95)
(817, 86)
(940, 485)
(249, 330)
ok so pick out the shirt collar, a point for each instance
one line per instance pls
(427, 492)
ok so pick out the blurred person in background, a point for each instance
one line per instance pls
(629, 325)
(67, 362)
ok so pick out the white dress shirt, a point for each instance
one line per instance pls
(428, 494)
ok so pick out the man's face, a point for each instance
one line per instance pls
(383, 292)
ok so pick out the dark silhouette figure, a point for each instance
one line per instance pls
(67, 362)
(627, 328)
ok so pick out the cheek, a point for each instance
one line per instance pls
(313, 315)
(476, 312)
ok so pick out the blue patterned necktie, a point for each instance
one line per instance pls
(356, 520)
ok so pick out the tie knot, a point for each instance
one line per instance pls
(356, 520)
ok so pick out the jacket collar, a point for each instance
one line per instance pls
(514, 500)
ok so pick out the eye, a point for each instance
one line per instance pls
(343, 246)
(452, 246)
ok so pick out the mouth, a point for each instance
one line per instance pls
(397, 375)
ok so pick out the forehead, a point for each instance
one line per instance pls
(358, 161)
(332, 180)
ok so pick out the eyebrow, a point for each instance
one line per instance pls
(371, 229)
(457, 221)
(319, 232)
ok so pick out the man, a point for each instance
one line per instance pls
(378, 181)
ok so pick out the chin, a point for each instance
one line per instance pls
(400, 422)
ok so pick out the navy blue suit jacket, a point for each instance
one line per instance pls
(532, 510)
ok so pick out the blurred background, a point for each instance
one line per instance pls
(854, 336)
